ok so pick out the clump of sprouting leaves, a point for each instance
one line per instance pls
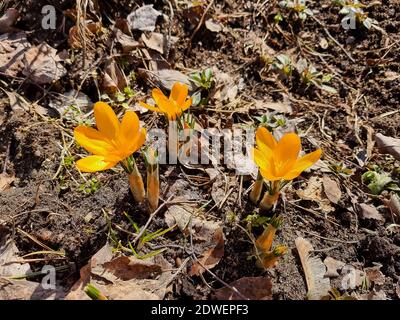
(378, 181)
(271, 121)
(121, 98)
(298, 7)
(90, 186)
(204, 81)
(309, 76)
(341, 169)
(355, 15)
(283, 65)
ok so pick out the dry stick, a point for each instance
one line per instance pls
(193, 256)
(201, 22)
(171, 19)
(333, 39)
(150, 219)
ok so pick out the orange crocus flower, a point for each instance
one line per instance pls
(279, 160)
(112, 142)
(173, 106)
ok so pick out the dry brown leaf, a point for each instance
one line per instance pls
(211, 257)
(331, 189)
(8, 19)
(12, 50)
(27, 290)
(42, 64)
(254, 288)
(113, 79)
(280, 107)
(366, 211)
(91, 29)
(158, 41)
(5, 181)
(144, 18)
(8, 254)
(165, 78)
(375, 275)
(394, 205)
(127, 43)
(388, 145)
(314, 192)
(398, 289)
(332, 267)
(123, 278)
(314, 271)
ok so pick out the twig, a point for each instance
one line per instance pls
(140, 234)
(201, 22)
(333, 39)
(171, 19)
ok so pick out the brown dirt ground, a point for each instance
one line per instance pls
(37, 204)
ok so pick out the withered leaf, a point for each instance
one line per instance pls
(388, 145)
(211, 257)
(144, 18)
(331, 189)
(366, 211)
(314, 271)
(253, 288)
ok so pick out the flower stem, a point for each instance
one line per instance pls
(153, 183)
(271, 196)
(255, 193)
(136, 181)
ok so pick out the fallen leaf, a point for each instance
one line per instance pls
(332, 267)
(374, 295)
(8, 19)
(394, 205)
(89, 30)
(127, 43)
(78, 99)
(253, 288)
(123, 278)
(12, 50)
(193, 14)
(388, 145)
(366, 211)
(331, 189)
(211, 257)
(314, 271)
(375, 275)
(398, 289)
(5, 181)
(27, 290)
(8, 254)
(158, 41)
(42, 65)
(144, 18)
(280, 107)
(113, 78)
(213, 26)
(166, 78)
(314, 192)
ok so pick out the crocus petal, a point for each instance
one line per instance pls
(149, 107)
(137, 142)
(187, 104)
(288, 148)
(158, 95)
(262, 159)
(92, 140)
(94, 163)
(179, 93)
(268, 174)
(302, 164)
(106, 120)
(264, 136)
(129, 125)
